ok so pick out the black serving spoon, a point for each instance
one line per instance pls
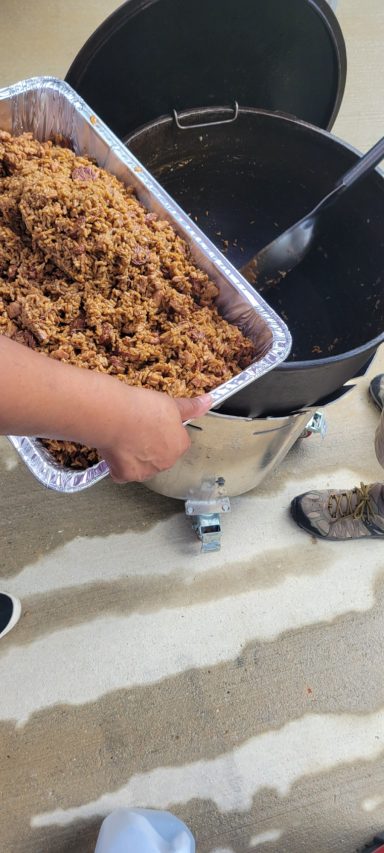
(285, 252)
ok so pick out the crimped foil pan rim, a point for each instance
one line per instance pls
(50, 474)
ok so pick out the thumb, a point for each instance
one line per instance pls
(194, 407)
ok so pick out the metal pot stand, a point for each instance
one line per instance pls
(228, 457)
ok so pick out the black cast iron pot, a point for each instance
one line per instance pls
(244, 182)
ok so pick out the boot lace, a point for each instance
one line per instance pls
(355, 503)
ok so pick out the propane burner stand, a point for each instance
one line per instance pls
(209, 499)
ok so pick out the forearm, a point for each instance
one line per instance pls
(43, 397)
(138, 432)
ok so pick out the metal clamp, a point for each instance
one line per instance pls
(204, 510)
(208, 529)
(316, 426)
(206, 123)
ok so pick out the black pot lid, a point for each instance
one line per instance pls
(152, 56)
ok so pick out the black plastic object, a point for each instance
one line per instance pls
(376, 846)
(247, 181)
(152, 56)
(6, 611)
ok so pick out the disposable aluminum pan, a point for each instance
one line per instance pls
(46, 106)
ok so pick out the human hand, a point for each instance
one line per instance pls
(137, 431)
(145, 432)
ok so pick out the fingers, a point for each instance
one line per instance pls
(138, 455)
(129, 470)
(194, 407)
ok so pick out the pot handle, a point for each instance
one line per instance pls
(206, 123)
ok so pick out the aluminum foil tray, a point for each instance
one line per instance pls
(46, 106)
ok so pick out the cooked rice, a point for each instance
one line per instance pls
(90, 278)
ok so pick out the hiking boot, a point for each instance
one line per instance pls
(10, 610)
(376, 390)
(334, 514)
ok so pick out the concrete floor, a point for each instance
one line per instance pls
(243, 690)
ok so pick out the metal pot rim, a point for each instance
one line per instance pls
(245, 110)
(331, 359)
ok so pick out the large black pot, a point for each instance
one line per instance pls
(246, 181)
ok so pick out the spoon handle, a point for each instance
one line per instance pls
(369, 160)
